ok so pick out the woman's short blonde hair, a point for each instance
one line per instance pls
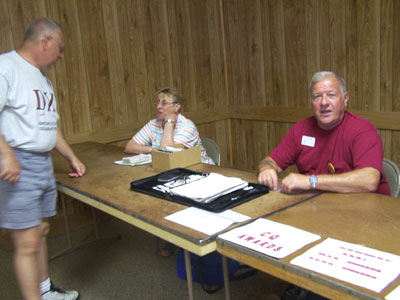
(172, 92)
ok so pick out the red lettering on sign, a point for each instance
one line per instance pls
(265, 233)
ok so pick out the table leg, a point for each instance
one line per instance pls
(226, 277)
(189, 277)
(96, 230)
(71, 248)
(67, 229)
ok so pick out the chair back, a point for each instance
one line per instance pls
(212, 150)
(392, 174)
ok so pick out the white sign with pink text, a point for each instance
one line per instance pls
(356, 264)
(271, 238)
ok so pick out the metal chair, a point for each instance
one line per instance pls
(392, 173)
(212, 150)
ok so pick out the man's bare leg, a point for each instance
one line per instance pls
(26, 261)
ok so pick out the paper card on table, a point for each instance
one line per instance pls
(356, 264)
(135, 160)
(394, 295)
(205, 221)
(271, 238)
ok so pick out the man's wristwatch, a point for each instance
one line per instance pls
(313, 181)
(169, 121)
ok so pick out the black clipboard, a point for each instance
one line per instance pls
(220, 204)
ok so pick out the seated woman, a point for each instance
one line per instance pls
(169, 128)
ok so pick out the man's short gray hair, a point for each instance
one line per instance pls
(318, 76)
(39, 27)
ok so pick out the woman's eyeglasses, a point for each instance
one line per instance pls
(163, 103)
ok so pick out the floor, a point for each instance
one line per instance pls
(127, 268)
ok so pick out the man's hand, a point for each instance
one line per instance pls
(295, 182)
(269, 177)
(268, 173)
(78, 168)
(65, 150)
(10, 169)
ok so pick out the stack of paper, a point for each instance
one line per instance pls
(135, 160)
(169, 149)
(209, 188)
(205, 221)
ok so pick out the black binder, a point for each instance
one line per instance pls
(220, 204)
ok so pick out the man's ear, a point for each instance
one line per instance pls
(346, 98)
(44, 40)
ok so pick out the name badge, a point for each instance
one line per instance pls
(308, 141)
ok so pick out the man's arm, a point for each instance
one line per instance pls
(268, 173)
(357, 181)
(135, 148)
(65, 150)
(10, 168)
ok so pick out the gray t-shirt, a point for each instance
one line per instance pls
(28, 114)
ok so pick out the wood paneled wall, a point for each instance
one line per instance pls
(243, 65)
(274, 47)
(120, 52)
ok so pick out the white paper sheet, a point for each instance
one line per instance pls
(205, 221)
(356, 264)
(209, 188)
(271, 238)
(394, 295)
(135, 160)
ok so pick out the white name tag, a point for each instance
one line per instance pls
(308, 141)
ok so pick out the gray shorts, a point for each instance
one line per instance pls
(24, 204)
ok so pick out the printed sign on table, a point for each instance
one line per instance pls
(271, 238)
(356, 264)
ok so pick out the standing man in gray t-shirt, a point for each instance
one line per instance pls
(28, 132)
